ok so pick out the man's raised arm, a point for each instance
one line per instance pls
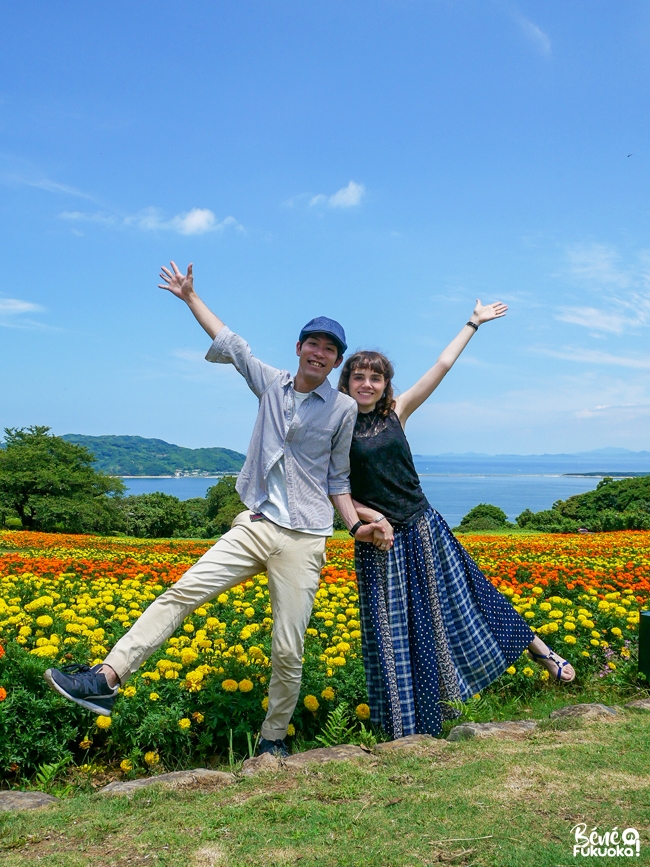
(182, 286)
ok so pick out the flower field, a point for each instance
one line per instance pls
(69, 598)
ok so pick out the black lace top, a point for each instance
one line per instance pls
(382, 473)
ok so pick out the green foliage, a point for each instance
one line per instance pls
(138, 456)
(223, 505)
(338, 729)
(614, 505)
(476, 709)
(484, 517)
(152, 516)
(50, 484)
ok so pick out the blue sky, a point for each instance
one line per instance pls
(384, 163)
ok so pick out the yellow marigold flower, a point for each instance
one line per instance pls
(85, 744)
(528, 671)
(230, 685)
(570, 639)
(184, 723)
(153, 696)
(222, 598)
(188, 627)
(611, 665)
(625, 653)
(545, 606)
(103, 722)
(126, 766)
(595, 634)
(585, 653)
(311, 703)
(249, 612)
(151, 758)
(198, 716)
(291, 730)
(615, 631)
(544, 675)
(338, 660)
(188, 656)
(245, 685)
(172, 674)
(327, 693)
(265, 703)
(362, 711)
(529, 615)
(129, 691)
(538, 591)
(511, 670)
(594, 642)
(44, 621)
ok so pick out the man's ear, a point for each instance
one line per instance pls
(298, 347)
(338, 362)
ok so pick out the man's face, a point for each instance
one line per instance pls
(318, 355)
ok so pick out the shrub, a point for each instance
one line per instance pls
(484, 517)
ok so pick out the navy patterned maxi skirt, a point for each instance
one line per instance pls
(433, 627)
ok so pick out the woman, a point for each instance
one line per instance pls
(434, 629)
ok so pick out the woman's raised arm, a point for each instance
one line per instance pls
(414, 397)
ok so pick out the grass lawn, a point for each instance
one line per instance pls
(488, 802)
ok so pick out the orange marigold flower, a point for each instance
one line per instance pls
(3, 693)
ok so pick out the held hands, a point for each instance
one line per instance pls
(380, 535)
(486, 312)
(180, 285)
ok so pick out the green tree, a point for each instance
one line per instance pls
(153, 516)
(223, 505)
(51, 484)
(620, 505)
(484, 517)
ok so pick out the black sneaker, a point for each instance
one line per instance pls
(83, 685)
(275, 748)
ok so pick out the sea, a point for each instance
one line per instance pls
(452, 494)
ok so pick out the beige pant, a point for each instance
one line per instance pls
(293, 561)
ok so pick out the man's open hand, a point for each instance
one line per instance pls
(180, 285)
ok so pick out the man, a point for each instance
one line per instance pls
(297, 461)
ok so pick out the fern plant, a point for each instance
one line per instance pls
(46, 775)
(337, 729)
(474, 710)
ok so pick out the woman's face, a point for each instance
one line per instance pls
(366, 387)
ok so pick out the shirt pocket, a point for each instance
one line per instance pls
(313, 441)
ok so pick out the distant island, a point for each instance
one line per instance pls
(139, 456)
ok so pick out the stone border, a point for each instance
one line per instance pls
(31, 800)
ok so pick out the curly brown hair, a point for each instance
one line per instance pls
(368, 359)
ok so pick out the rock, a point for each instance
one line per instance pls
(585, 711)
(25, 800)
(406, 743)
(264, 762)
(488, 730)
(640, 703)
(325, 754)
(169, 781)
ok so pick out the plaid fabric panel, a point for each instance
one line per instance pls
(416, 626)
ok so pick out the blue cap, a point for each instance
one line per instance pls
(324, 325)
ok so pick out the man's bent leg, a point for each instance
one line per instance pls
(294, 573)
(239, 554)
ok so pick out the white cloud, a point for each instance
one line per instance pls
(14, 307)
(192, 355)
(54, 187)
(197, 221)
(623, 287)
(598, 320)
(12, 313)
(594, 356)
(346, 197)
(535, 34)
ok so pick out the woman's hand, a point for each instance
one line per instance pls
(486, 312)
(383, 535)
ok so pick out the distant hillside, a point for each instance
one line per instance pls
(138, 456)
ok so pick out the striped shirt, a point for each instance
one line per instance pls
(314, 441)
